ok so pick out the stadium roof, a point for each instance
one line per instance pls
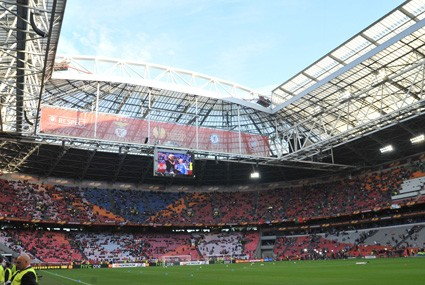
(368, 83)
(373, 81)
(154, 92)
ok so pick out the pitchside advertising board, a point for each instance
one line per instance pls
(199, 262)
(128, 265)
(101, 126)
(88, 266)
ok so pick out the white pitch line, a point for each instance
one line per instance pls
(75, 280)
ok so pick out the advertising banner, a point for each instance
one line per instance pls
(128, 265)
(109, 127)
(249, 260)
(84, 266)
(51, 266)
(197, 262)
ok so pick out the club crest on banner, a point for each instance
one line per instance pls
(120, 131)
(159, 133)
(214, 138)
(253, 144)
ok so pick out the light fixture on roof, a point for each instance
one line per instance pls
(387, 148)
(255, 175)
(418, 139)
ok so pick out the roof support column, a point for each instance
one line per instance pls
(239, 129)
(21, 34)
(97, 110)
(197, 123)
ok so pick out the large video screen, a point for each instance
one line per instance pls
(173, 163)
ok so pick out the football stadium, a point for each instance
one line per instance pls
(120, 171)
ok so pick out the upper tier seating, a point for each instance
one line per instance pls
(23, 200)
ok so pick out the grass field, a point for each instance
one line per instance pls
(381, 271)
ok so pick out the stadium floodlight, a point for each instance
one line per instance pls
(418, 139)
(387, 148)
(255, 175)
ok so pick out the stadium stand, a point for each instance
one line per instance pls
(391, 241)
(46, 202)
(49, 247)
(97, 247)
(192, 208)
(218, 245)
(367, 191)
(108, 247)
(250, 244)
(135, 206)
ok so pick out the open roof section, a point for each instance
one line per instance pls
(370, 82)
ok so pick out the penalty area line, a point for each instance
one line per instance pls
(75, 280)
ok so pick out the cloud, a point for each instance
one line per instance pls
(67, 47)
(106, 41)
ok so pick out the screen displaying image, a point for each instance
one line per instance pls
(173, 163)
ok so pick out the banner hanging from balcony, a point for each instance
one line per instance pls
(108, 127)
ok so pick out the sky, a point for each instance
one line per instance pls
(256, 43)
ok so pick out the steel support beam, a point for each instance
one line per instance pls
(384, 118)
(87, 164)
(21, 36)
(122, 157)
(145, 169)
(13, 167)
(56, 162)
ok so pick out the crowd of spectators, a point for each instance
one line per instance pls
(367, 191)
(218, 245)
(358, 193)
(135, 206)
(50, 247)
(101, 247)
(193, 208)
(402, 241)
(23, 200)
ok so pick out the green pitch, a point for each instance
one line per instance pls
(381, 271)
